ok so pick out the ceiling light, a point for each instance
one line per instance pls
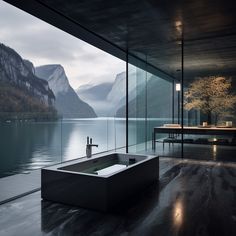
(178, 87)
(178, 23)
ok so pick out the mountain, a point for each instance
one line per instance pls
(67, 102)
(94, 92)
(105, 98)
(96, 96)
(111, 102)
(30, 65)
(118, 89)
(21, 91)
(117, 95)
(158, 103)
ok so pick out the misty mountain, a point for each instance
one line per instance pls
(67, 101)
(94, 92)
(113, 102)
(118, 89)
(105, 98)
(21, 90)
(117, 95)
(158, 103)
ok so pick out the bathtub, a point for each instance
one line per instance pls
(101, 182)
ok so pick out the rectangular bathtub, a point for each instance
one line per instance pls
(100, 182)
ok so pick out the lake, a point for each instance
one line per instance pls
(25, 146)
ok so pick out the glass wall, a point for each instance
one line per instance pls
(136, 108)
(150, 104)
(209, 100)
(55, 91)
(161, 112)
(207, 108)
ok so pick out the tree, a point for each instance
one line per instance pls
(211, 95)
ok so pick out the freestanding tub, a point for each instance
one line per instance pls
(100, 182)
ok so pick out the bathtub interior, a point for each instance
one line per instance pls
(105, 164)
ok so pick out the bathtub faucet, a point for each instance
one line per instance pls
(89, 146)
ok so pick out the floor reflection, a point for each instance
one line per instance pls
(193, 198)
(68, 220)
(178, 213)
(214, 152)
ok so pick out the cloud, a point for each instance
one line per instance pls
(43, 43)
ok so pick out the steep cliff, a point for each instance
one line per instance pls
(67, 102)
(21, 90)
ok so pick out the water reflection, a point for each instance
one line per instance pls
(23, 144)
(27, 146)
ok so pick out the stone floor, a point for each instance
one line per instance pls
(192, 198)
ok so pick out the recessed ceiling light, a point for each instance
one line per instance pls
(178, 23)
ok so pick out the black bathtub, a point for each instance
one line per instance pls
(100, 182)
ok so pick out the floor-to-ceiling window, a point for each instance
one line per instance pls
(209, 98)
(160, 112)
(151, 102)
(55, 90)
(137, 82)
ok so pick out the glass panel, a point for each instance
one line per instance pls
(55, 91)
(159, 113)
(136, 108)
(210, 99)
(151, 104)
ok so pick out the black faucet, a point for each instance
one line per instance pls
(89, 146)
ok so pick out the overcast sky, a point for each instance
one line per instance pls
(43, 44)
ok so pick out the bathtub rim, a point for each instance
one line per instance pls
(57, 167)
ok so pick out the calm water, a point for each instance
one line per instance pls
(31, 145)
(25, 146)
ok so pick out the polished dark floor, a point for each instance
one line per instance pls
(219, 153)
(192, 198)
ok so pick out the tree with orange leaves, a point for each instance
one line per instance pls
(211, 95)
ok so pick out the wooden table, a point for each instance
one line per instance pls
(193, 130)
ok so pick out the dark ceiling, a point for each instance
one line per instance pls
(152, 30)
